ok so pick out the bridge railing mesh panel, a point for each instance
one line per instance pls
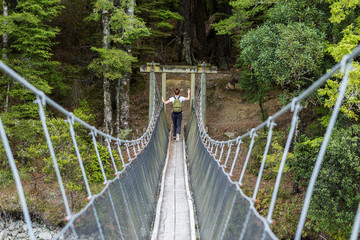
(223, 211)
(219, 169)
(125, 207)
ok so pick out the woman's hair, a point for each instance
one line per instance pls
(177, 91)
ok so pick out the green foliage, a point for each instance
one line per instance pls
(274, 158)
(299, 55)
(6, 177)
(29, 53)
(161, 16)
(28, 28)
(351, 103)
(243, 17)
(253, 90)
(336, 194)
(305, 152)
(340, 9)
(344, 15)
(85, 113)
(112, 63)
(312, 13)
(287, 55)
(125, 30)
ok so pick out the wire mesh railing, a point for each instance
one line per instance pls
(125, 208)
(224, 211)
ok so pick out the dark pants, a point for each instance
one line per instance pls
(176, 118)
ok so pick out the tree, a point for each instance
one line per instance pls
(29, 39)
(244, 15)
(336, 195)
(160, 17)
(5, 49)
(119, 31)
(345, 15)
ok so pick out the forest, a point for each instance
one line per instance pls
(85, 54)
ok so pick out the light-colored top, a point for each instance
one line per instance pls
(172, 99)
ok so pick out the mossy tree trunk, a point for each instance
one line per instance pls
(107, 84)
(4, 52)
(125, 103)
(186, 32)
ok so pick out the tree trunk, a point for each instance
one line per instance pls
(118, 106)
(107, 93)
(125, 103)
(220, 45)
(4, 52)
(263, 117)
(186, 32)
(124, 85)
(5, 35)
(200, 29)
(223, 52)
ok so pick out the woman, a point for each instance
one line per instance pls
(176, 114)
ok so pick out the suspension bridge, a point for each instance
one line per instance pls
(163, 183)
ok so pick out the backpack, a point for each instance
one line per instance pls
(177, 105)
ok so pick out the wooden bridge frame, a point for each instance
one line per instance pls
(192, 70)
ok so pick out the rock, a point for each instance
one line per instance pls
(14, 233)
(22, 236)
(25, 227)
(230, 135)
(45, 236)
(4, 234)
(230, 86)
(12, 226)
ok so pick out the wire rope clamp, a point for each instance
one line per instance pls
(68, 218)
(70, 119)
(255, 200)
(270, 122)
(93, 131)
(344, 61)
(88, 199)
(41, 98)
(253, 133)
(295, 104)
(271, 222)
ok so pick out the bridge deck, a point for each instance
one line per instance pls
(175, 219)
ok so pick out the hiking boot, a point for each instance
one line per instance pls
(177, 137)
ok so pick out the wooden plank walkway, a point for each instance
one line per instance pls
(175, 217)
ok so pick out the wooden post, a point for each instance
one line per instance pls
(151, 91)
(192, 86)
(163, 77)
(203, 94)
